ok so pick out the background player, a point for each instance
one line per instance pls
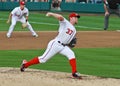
(110, 6)
(19, 14)
(66, 33)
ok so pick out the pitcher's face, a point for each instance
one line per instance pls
(74, 20)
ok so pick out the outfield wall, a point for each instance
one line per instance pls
(85, 8)
(46, 6)
(35, 6)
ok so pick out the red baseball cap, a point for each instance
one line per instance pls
(22, 3)
(74, 15)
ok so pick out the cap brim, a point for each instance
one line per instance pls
(78, 16)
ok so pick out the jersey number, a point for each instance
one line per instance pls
(69, 31)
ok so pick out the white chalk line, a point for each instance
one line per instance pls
(42, 23)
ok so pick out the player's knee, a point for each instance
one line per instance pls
(71, 55)
(28, 23)
(13, 24)
(43, 61)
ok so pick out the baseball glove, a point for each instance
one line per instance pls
(73, 42)
(24, 25)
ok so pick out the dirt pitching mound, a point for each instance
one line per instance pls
(33, 77)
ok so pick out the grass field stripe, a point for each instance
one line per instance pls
(88, 27)
(56, 24)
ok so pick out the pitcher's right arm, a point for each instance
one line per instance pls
(57, 16)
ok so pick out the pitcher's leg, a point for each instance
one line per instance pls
(72, 60)
(35, 60)
(50, 51)
(73, 65)
(70, 55)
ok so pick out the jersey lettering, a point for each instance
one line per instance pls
(69, 31)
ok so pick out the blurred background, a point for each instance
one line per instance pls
(58, 5)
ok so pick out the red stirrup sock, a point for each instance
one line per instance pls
(32, 62)
(73, 65)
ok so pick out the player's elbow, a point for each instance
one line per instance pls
(60, 18)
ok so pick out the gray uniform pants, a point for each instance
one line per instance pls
(111, 11)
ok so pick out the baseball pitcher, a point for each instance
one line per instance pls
(20, 14)
(60, 44)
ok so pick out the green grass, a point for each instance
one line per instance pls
(104, 62)
(42, 23)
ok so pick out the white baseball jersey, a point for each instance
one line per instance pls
(19, 15)
(66, 32)
(17, 12)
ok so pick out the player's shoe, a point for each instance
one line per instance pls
(118, 30)
(22, 68)
(8, 36)
(105, 28)
(36, 35)
(76, 75)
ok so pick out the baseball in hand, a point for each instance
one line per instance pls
(47, 14)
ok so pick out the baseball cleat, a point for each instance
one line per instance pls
(8, 36)
(35, 35)
(118, 30)
(105, 28)
(76, 75)
(22, 68)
